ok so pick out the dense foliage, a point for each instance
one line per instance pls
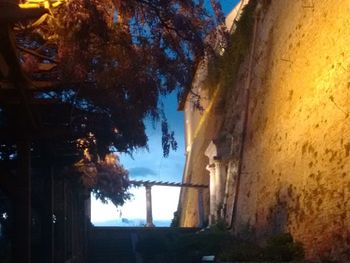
(107, 179)
(191, 247)
(106, 63)
(115, 59)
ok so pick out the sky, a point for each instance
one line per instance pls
(150, 165)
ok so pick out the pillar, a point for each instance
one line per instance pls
(47, 216)
(60, 225)
(212, 194)
(149, 206)
(217, 187)
(21, 248)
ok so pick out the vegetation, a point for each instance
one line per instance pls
(97, 69)
(113, 59)
(5, 251)
(223, 68)
(186, 247)
(191, 247)
(279, 248)
(175, 222)
(283, 248)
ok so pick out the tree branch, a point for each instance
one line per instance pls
(29, 51)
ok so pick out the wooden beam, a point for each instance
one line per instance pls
(152, 183)
(12, 13)
(60, 225)
(20, 81)
(47, 239)
(55, 132)
(36, 54)
(22, 219)
(7, 182)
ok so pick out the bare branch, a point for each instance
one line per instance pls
(32, 52)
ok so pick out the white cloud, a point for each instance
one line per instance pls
(164, 204)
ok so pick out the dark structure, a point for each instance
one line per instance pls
(68, 101)
(44, 209)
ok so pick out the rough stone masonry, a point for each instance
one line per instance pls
(296, 160)
(296, 165)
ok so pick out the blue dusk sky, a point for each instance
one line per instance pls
(150, 165)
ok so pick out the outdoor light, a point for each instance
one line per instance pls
(4, 216)
(41, 3)
(46, 4)
(54, 219)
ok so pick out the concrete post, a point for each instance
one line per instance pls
(149, 206)
(212, 195)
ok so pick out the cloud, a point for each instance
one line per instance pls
(141, 171)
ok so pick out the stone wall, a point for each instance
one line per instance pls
(201, 127)
(296, 163)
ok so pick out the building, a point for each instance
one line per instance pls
(44, 209)
(274, 144)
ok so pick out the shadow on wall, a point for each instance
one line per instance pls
(299, 212)
(267, 222)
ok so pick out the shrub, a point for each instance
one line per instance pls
(151, 245)
(240, 251)
(278, 248)
(283, 248)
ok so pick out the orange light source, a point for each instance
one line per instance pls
(41, 3)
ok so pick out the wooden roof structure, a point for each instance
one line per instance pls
(16, 89)
(160, 183)
(24, 112)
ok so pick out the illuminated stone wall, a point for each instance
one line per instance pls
(201, 126)
(296, 163)
(296, 170)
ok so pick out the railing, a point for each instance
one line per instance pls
(148, 186)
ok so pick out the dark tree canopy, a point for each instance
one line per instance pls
(116, 58)
(107, 63)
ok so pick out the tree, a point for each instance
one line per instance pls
(107, 63)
